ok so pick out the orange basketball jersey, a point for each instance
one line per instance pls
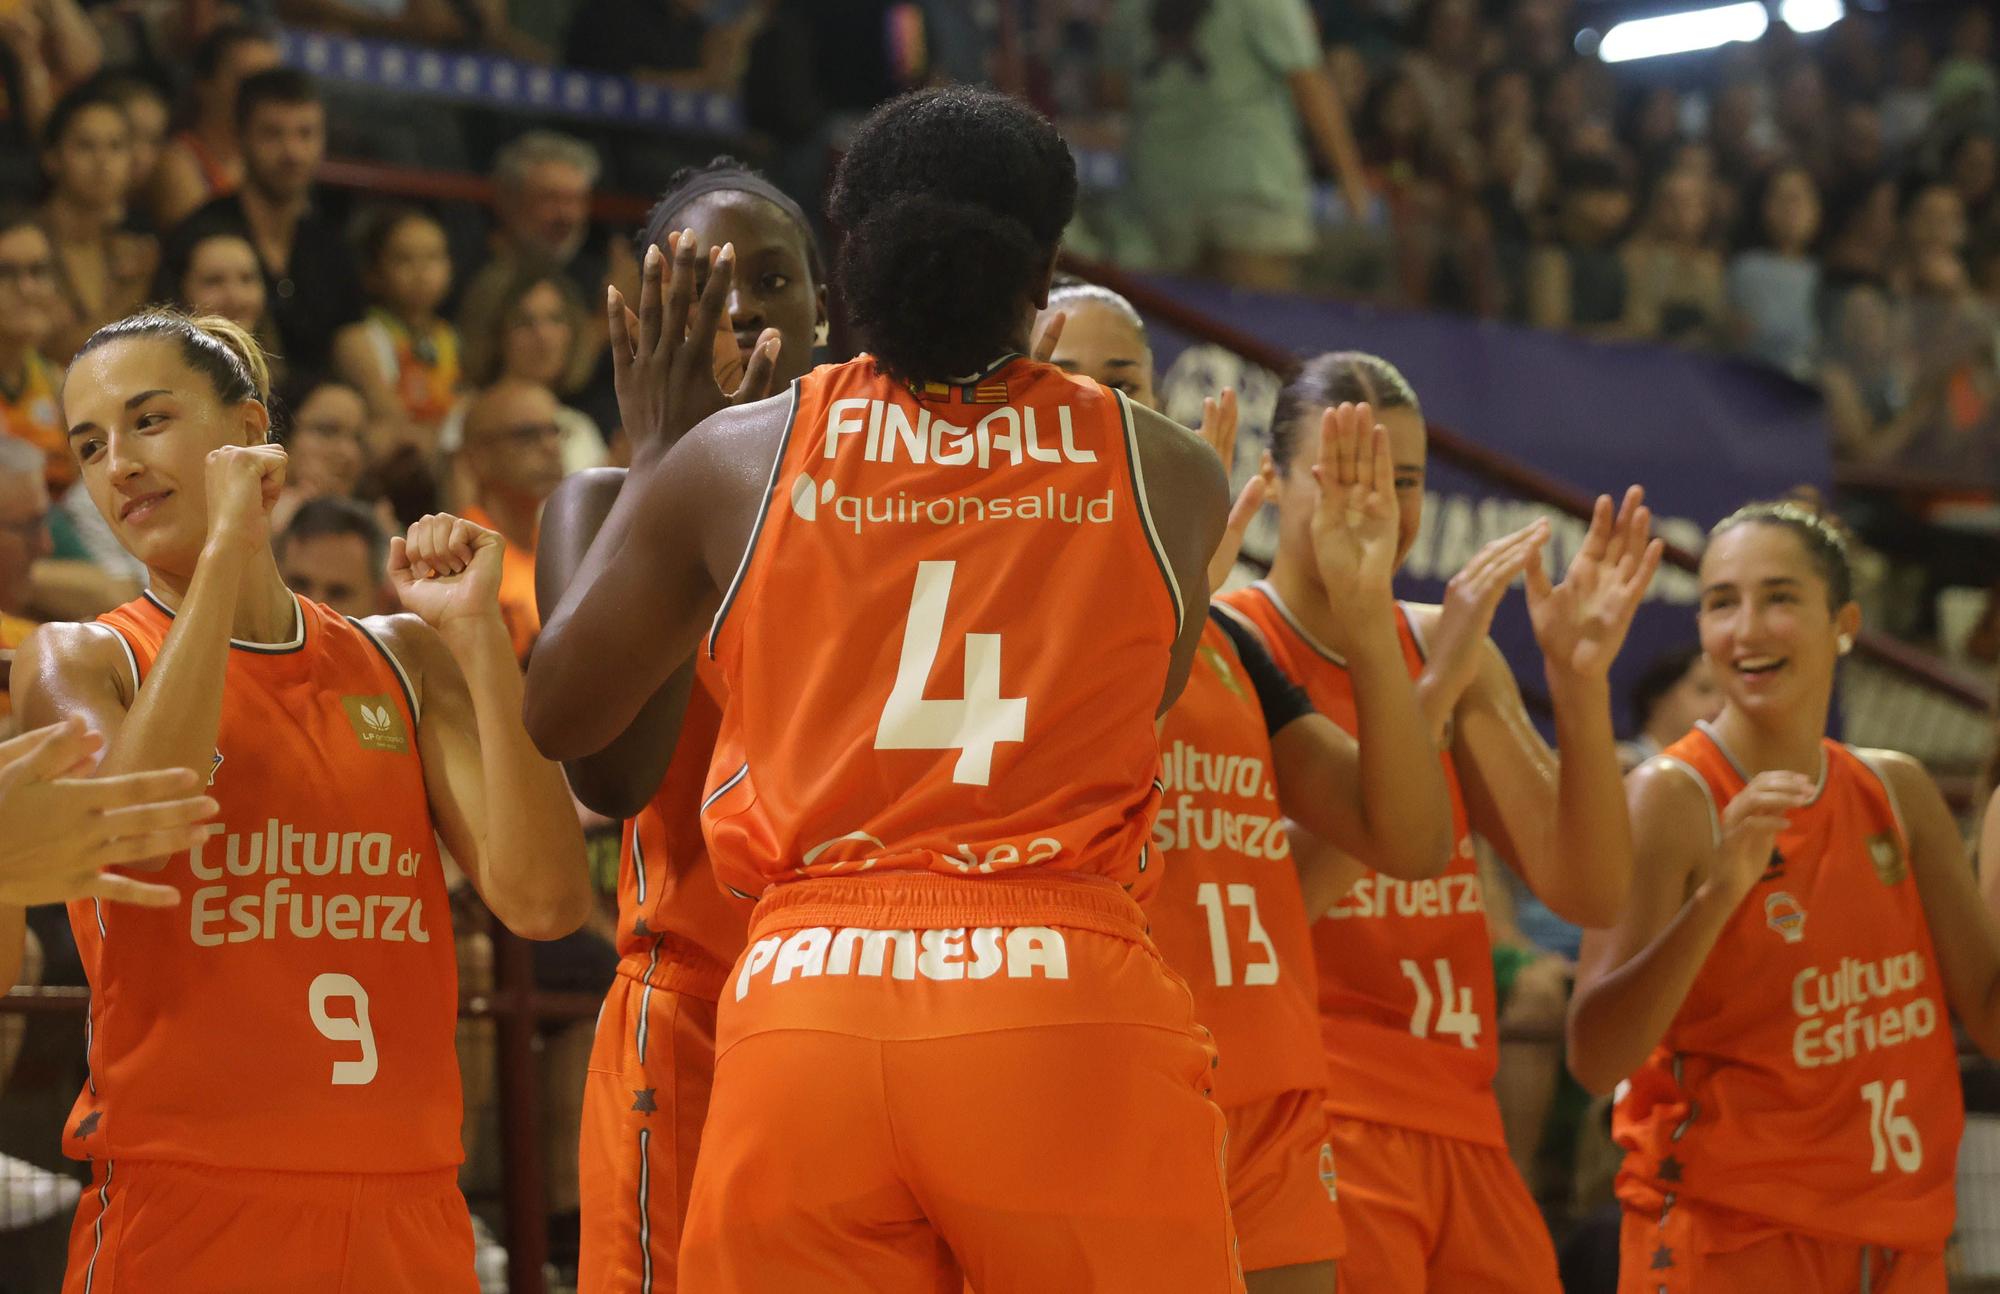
(677, 929)
(946, 643)
(295, 1012)
(1810, 1077)
(1406, 999)
(1227, 914)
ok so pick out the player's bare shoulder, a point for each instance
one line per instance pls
(59, 660)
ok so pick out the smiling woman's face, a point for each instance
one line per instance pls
(141, 423)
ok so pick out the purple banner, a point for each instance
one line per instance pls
(1701, 433)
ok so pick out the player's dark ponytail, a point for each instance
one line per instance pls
(952, 203)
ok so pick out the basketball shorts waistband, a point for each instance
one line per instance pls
(927, 901)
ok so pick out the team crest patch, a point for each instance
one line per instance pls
(377, 723)
(1786, 915)
(1221, 667)
(1327, 1177)
(1886, 852)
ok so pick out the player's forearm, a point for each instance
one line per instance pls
(1589, 875)
(177, 714)
(618, 780)
(13, 946)
(532, 871)
(1326, 122)
(1616, 1019)
(1403, 803)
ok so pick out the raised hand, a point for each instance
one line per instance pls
(59, 829)
(1249, 501)
(1581, 623)
(663, 361)
(243, 484)
(1354, 522)
(1751, 826)
(1471, 597)
(447, 569)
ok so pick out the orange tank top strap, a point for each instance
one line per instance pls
(996, 712)
(1809, 1078)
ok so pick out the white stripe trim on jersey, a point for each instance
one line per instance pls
(1416, 634)
(639, 1034)
(757, 527)
(1867, 758)
(1146, 511)
(402, 675)
(645, 1216)
(1305, 635)
(97, 1227)
(1707, 796)
(727, 786)
(131, 660)
(639, 862)
(1716, 737)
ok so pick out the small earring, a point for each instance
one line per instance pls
(1845, 643)
(820, 333)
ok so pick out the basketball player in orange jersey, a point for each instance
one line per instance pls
(1429, 1196)
(646, 1094)
(1802, 922)
(1229, 915)
(273, 1098)
(949, 589)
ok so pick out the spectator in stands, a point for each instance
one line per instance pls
(422, 22)
(326, 443)
(403, 356)
(1860, 236)
(1878, 397)
(46, 47)
(1217, 177)
(513, 459)
(146, 111)
(1579, 281)
(542, 182)
(333, 552)
(1967, 82)
(1906, 106)
(1672, 268)
(1445, 65)
(310, 280)
(1859, 156)
(524, 321)
(204, 161)
(1774, 282)
(218, 273)
(103, 271)
(29, 309)
(1674, 692)
(86, 580)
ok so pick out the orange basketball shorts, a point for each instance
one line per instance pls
(922, 1081)
(644, 1099)
(1689, 1248)
(154, 1228)
(1281, 1182)
(1431, 1213)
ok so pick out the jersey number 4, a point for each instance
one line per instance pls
(972, 725)
(345, 1028)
